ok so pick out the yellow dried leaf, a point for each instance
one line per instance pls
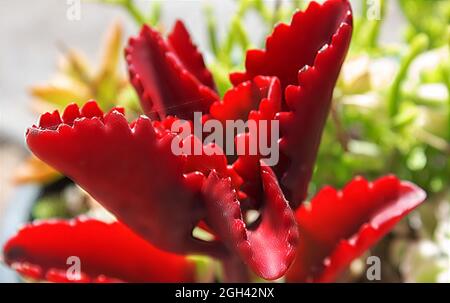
(75, 65)
(34, 170)
(61, 95)
(112, 52)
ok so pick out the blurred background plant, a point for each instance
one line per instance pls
(391, 114)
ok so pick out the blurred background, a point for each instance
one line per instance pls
(390, 114)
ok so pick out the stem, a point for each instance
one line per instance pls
(234, 270)
(155, 14)
(212, 30)
(264, 11)
(446, 79)
(241, 34)
(364, 6)
(434, 141)
(375, 27)
(298, 4)
(276, 12)
(134, 12)
(419, 44)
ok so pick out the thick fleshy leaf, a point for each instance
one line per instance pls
(211, 158)
(306, 56)
(107, 252)
(238, 103)
(128, 169)
(301, 127)
(181, 42)
(291, 47)
(163, 81)
(257, 100)
(269, 247)
(338, 226)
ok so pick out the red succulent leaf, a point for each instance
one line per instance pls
(269, 247)
(181, 42)
(132, 170)
(257, 100)
(338, 226)
(247, 165)
(162, 127)
(129, 170)
(211, 158)
(301, 127)
(291, 47)
(165, 76)
(108, 252)
(306, 56)
(238, 103)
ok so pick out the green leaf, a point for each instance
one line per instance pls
(418, 45)
(50, 207)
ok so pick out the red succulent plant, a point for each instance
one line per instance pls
(158, 197)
